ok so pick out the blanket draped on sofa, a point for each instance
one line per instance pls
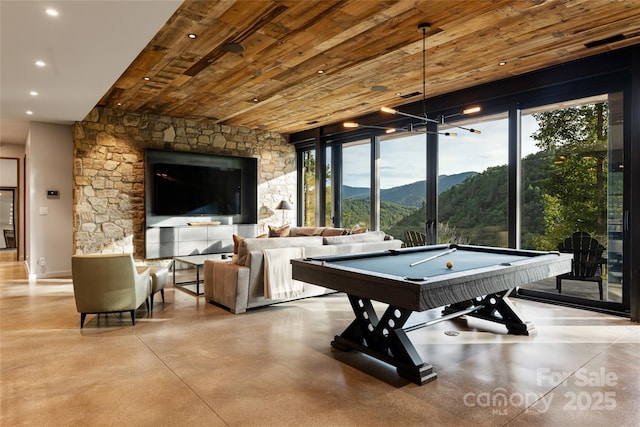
(278, 283)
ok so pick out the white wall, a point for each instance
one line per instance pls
(49, 152)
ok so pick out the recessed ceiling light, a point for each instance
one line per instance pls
(255, 99)
(146, 78)
(320, 71)
(502, 63)
(192, 35)
(29, 113)
(51, 12)
(471, 110)
(33, 93)
(40, 63)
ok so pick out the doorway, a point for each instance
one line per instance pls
(7, 218)
(580, 192)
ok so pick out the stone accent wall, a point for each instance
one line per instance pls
(108, 171)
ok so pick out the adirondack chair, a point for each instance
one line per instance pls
(414, 238)
(587, 259)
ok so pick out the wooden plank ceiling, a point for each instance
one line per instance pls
(309, 63)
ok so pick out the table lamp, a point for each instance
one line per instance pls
(283, 206)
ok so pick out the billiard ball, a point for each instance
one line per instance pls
(449, 265)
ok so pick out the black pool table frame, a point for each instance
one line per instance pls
(480, 292)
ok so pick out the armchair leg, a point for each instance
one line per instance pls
(151, 298)
(559, 284)
(82, 317)
(146, 302)
(133, 316)
(162, 293)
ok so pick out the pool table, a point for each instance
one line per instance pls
(476, 283)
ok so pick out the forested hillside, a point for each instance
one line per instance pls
(484, 193)
(408, 194)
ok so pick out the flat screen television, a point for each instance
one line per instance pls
(181, 189)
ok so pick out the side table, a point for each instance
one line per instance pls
(197, 261)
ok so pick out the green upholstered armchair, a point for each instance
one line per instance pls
(109, 284)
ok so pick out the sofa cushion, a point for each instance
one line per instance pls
(279, 231)
(258, 244)
(317, 231)
(306, 231)
(371, 236)
(334, 231)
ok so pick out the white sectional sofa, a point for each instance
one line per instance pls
(240, 284)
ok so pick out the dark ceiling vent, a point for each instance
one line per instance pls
(233, 47)
(612, 39)
(313, 122)
(410, 95)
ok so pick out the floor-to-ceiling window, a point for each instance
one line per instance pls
(328, 173)
(572, 182)
(546, 181)
(356, 184)
(402, 184)
(309, 200)
(309, 188)
(472, 184)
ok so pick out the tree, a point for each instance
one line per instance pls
(309, 178)
(309, 191)
(575, 192)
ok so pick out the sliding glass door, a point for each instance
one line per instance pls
(573, 183)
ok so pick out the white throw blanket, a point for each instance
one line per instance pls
(278, 281)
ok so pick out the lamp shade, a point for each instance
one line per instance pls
(284, 206)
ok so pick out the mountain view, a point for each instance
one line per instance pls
(472, 205)
(408, 194)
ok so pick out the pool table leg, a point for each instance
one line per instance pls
(384, 340)
(498, 308)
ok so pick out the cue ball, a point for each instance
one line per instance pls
(449, 265)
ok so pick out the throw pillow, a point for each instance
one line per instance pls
(238, 239)
(279, 231)
(334, 232)
(358, 230)
(240, 257)
(236, 242)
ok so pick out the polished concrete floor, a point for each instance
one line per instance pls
(191, 363)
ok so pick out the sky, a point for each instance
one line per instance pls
(403, 161)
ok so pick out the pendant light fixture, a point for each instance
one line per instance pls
(421, 125)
